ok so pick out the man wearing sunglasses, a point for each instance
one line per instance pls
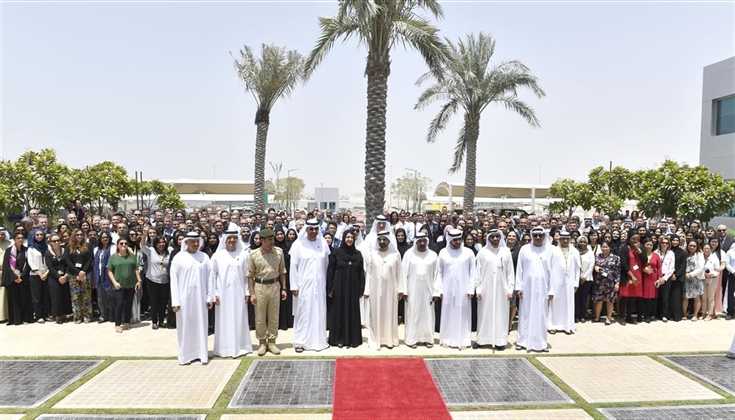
(533, 283)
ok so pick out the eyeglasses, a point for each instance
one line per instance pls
(722, 230)
(55, 240)
(538, 235)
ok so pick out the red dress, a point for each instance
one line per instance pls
(649, 288)
(636, 267)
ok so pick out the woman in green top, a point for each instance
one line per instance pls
(125, 277)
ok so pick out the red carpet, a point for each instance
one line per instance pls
(386, 389)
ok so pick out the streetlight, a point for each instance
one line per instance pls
(288, 175)
(416, 198)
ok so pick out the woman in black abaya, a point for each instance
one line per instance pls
(345, 285)
(285, 314)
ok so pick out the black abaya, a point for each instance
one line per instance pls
(346, 280)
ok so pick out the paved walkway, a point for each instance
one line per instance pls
(141, 341)
(596, 376)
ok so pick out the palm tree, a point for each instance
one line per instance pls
(468, 81)
(379, 25)
(270, 77)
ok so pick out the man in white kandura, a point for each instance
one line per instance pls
(309, 262)
(455, 285)
(565, 269)
(533, 283)
(384, 287)
(192, 295)
(420, 265)
(229, 272)
(494, 288)
(366, 246)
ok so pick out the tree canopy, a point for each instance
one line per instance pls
(672, 189)
(39, 180)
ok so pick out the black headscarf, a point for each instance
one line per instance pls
(402, 246)
(348, 253)
(285, 246)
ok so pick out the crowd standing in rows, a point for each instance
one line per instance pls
(215, 271)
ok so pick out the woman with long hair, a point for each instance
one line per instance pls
(157, 278)
(102, 283)
(694, 283)
(79, 262)
(58, 281)
(652, 276)
(125, 277)
(15, 281)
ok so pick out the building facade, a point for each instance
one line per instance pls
(717, 143)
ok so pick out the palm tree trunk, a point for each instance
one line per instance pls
(472, 133)
(377, 71)
(262, 120)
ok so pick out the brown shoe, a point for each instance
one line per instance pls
(127, 326)
(262, 349)
(273, 349)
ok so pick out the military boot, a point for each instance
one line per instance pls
(272, 348)
(262, 349)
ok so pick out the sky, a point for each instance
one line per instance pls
(152, 87)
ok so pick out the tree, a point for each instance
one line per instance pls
(468, 82)
(166, 195)
(411, 189)
(36, 179)
(270, 77)
(380, 25)
(611, 188)
(106, 183)
(290, 190)
(684, 191)
(571, 194)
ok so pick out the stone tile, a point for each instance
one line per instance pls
(153, 384)
(126, 416)
(29, 383)
(493, 381)
(261, 416)
(713, 368)
(626, 379)
(101, 340)
(286, 383)
(567, 414)
(723, 411)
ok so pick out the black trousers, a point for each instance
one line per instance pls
(40, 297)
(123, 306)
(728, 281)
(675, 299)
(628, 305)
(664, 294)
(580, 300)
(158, 295)
(649, 308)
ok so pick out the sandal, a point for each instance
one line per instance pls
(607, 322)
(519, 347)
(413, 346)
(552, 332)
(429, 345)
(299, 349)
(118, 329)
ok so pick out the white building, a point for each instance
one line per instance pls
(717, 143)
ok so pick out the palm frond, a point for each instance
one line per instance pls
(521, 108)
(459, 150)
(420, 35)
(439, 123)
(332, 28)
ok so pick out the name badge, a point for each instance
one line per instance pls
(78, 265)
(635, 267)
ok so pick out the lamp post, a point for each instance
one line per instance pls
(416, 197)
(288, 175)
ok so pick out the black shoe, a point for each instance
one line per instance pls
(728, 317)
(154, 326)
(475, 346)
(499, 348)
(101, 320)
(583, 320)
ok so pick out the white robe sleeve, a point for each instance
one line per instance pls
(510, 277)
(398, 273)
(175, 282)
(245, 266)
(368, 274)
(213, 275)
(406, 271)
(294, 268)
(519, 270)
(479, 273)
(210, 280)
(471, 272)
(438, 281)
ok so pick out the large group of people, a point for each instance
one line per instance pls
(222, 272)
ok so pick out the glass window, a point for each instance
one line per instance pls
(725, 116)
